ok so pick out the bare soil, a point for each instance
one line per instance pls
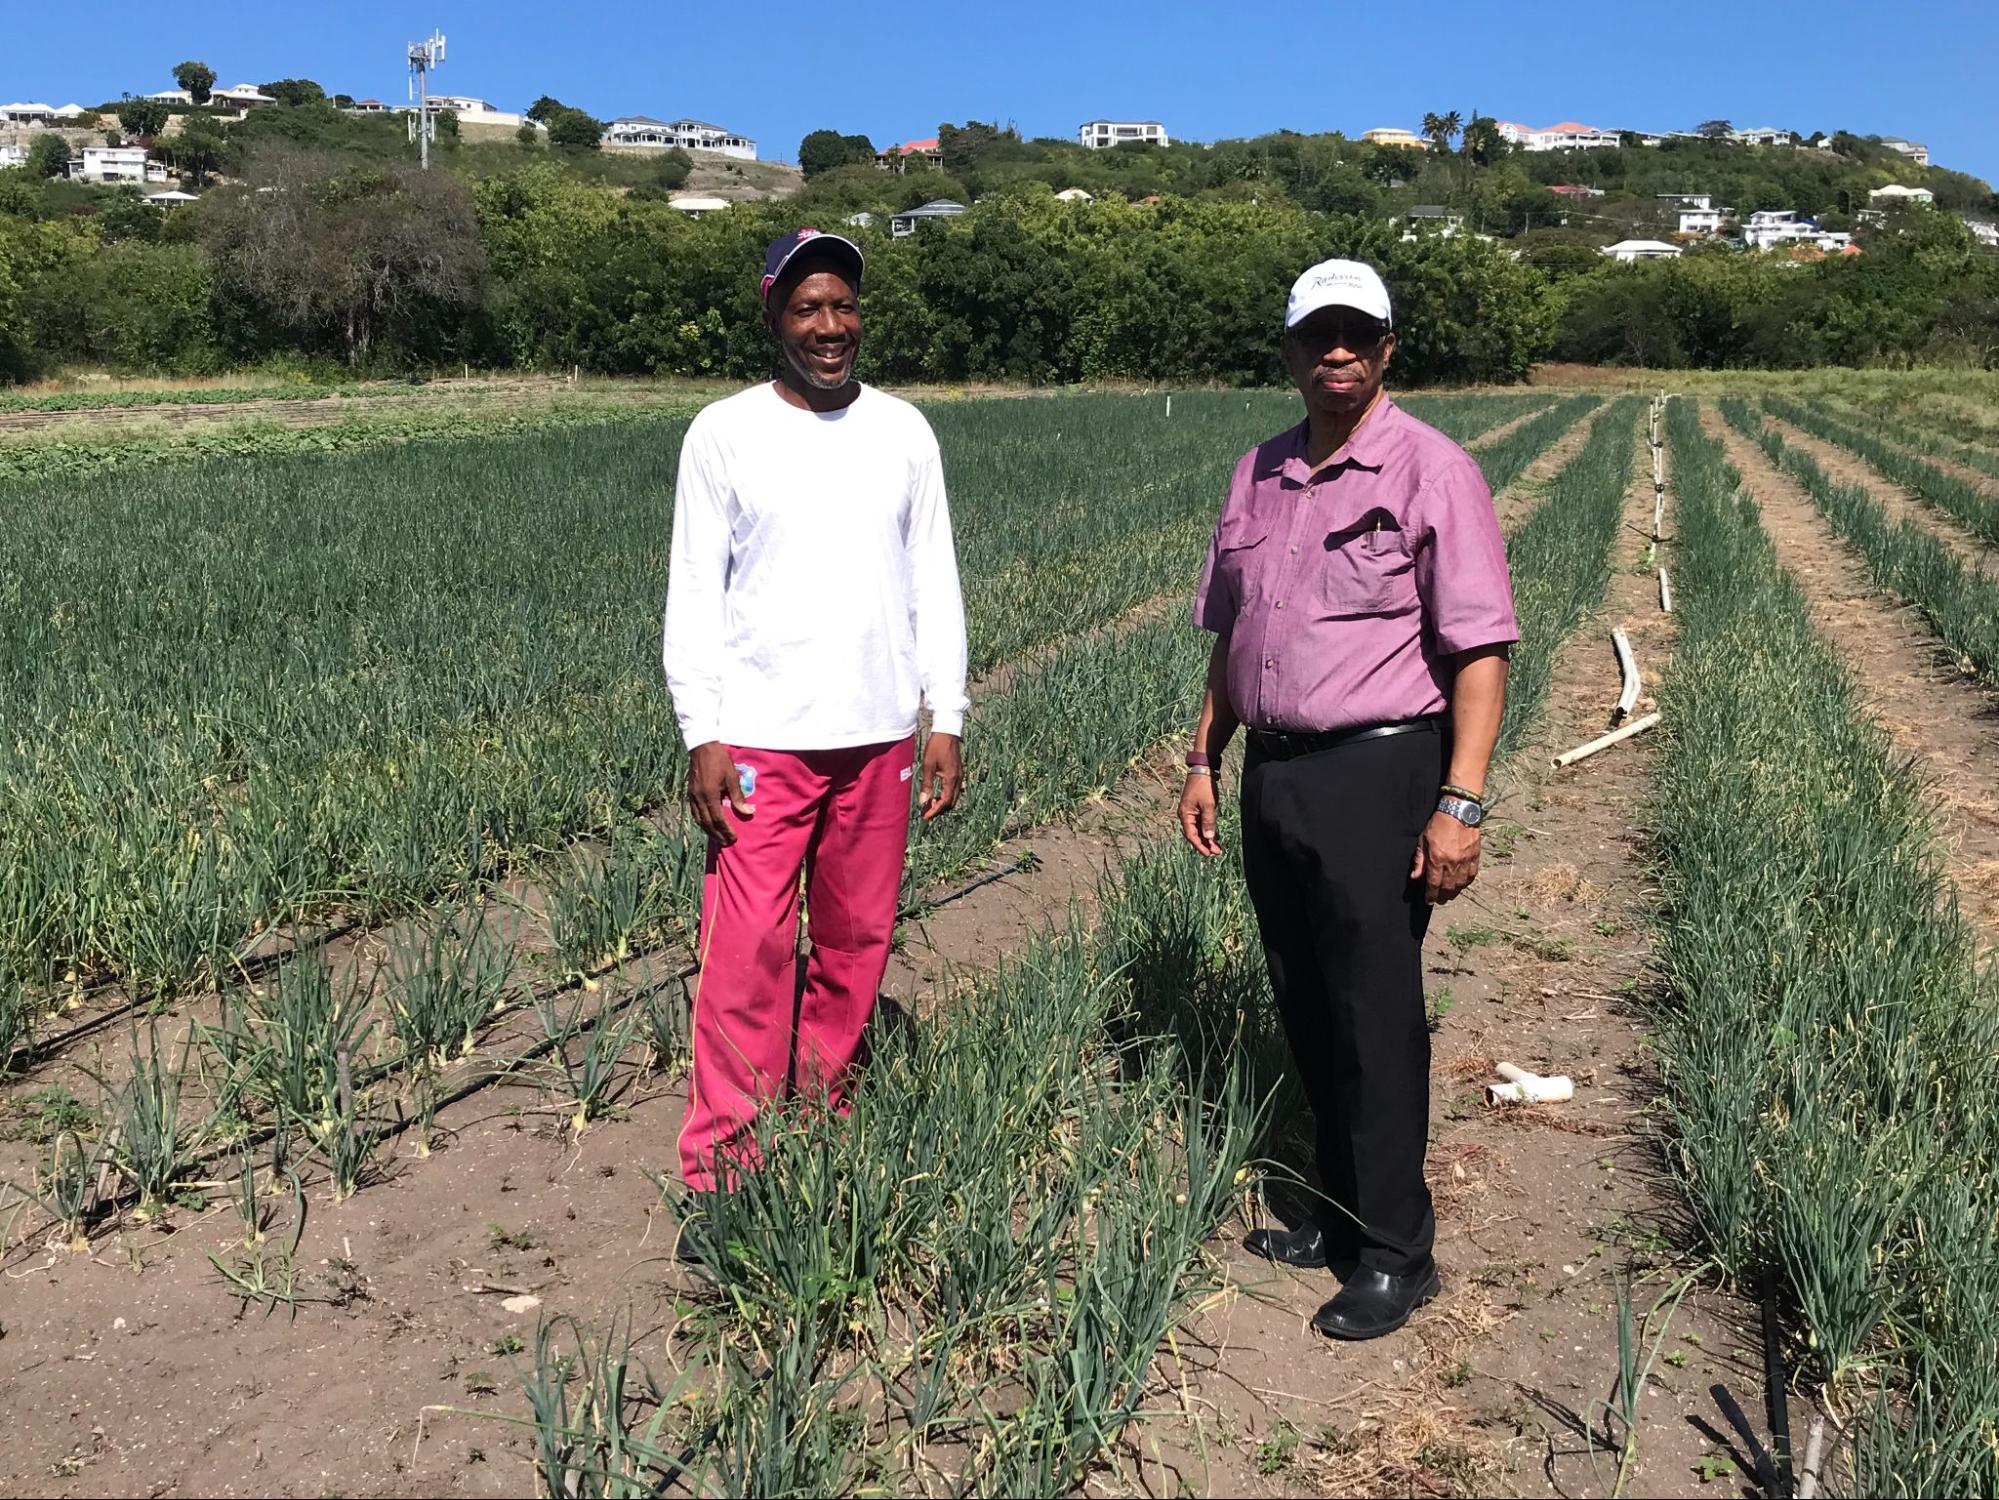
(1937, 715)
(1901, 504)
(1503, 430)
(1530, 488)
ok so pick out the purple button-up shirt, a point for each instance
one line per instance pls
(1344, 593)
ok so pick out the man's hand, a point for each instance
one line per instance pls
(1446, 858)
(943, 776)
(1197, 814)
(714, 790)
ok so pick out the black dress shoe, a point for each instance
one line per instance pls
(1373, 1303)
(1303, 1247)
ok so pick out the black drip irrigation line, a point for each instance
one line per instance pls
(245, 970)
(1776, 1390)
(1025, 862)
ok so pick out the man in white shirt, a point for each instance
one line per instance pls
(812, 608)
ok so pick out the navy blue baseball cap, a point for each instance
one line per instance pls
(785, 246)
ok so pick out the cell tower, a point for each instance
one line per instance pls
(423, 57)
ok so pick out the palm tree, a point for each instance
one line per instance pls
(1439, 129)
(1483, 144)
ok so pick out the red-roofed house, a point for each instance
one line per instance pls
(898, 159)
(1576, 190)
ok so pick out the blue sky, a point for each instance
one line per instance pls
(893, 71)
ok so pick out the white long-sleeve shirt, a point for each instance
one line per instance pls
(812, 601)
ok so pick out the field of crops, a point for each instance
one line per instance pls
(263, 702)
(340, 784)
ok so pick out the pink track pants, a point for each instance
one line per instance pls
(842, 818)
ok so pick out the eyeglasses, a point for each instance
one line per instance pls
(1355, 336)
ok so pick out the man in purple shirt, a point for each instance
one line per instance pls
(1358, 593)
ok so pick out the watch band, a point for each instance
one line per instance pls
(1463, 809)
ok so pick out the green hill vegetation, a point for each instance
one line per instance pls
(318, 242)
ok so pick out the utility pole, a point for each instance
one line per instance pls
(423, 57)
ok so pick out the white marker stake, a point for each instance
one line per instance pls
(1665, 592)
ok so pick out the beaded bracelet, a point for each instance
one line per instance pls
(1450, 789)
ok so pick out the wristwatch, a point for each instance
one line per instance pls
(1463, 809)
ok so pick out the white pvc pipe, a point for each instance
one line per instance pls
(1627, 665)
(1658, 515)
(1665, 592)
(1584, 752)
(1523, 1087)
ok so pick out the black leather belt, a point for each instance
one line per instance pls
(1277, 746)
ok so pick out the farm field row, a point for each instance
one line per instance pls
(318, 1065)
(1906, 557)
(1827, 1036)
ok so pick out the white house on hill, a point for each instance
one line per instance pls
(241, 95)
(1916, 151)
(1099, 134)
(1895, 195)
(116, 164)
(904, 224)
(1641, 250)
(473, 111)
(642, 132)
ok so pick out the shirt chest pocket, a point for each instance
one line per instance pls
(1243, 556)
(1367, 568)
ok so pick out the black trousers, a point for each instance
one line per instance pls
(1327, 840)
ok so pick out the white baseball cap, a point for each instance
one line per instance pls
(1339, 283)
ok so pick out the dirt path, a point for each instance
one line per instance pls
(1519, 499)
(1936, 715)
(1900, 504)
(1505, 429)
(1540, 1210)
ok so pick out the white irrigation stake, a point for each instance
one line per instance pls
(1627, 666)
(1658, 515)
(1169, 403)
(1584, 752)
(1665, 592)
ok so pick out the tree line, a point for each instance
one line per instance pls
(321, 249)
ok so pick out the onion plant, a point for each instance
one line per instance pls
(1828, 1042)
(1961, 603)
(1970, 505)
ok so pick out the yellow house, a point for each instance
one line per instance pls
(1391, 135)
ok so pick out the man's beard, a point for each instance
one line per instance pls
(804, 370)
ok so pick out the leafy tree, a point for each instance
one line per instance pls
(343, 101)
(675, 166)
(821, 151)
(376, 265)
(574, 129)
(48, 155)
(1714, 129)
(197, 78)
(195, 150)
(445, 123)
(143, 118)
(295, 91)
(528, 136)
(974, 144)
(114, 137)
(542, 108)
